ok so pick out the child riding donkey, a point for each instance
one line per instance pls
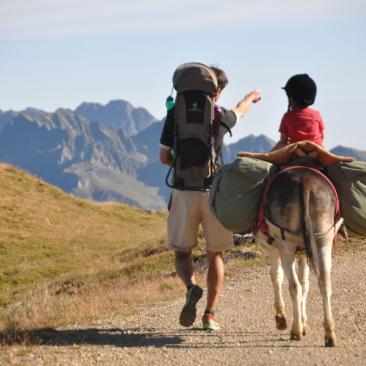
(297, 205)
(300, 213)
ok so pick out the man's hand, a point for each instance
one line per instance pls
(243, 106)
(255, 95)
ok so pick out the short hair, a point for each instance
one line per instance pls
(222, 79)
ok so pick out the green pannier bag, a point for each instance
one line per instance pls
(349, 180)
(236, 192)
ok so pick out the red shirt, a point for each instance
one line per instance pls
(303, 124)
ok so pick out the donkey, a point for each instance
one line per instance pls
(300, 211)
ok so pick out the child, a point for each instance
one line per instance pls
(300, 122)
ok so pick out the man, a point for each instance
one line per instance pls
(189, 209)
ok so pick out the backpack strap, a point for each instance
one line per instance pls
(227, 128)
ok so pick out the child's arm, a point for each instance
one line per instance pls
(322, 135)
(321, 128)
(283, 142)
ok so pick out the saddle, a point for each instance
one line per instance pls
(319, 154)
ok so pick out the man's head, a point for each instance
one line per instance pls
(222, 79)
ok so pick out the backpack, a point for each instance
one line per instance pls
(194, 155)
(236, 192)
(349, 179)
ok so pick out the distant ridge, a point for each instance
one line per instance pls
(117, 114)
(6, 117)
(250, 143)
(348, 151)
(147, 141)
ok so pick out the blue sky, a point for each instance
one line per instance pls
(57, 53)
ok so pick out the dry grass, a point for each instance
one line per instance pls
(64, 259)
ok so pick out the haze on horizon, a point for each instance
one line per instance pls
(60, 53)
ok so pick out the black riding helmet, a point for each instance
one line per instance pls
(302, 89)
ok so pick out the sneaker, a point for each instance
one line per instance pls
(209, 322)
(188, 313)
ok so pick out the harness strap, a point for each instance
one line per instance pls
(287, 235)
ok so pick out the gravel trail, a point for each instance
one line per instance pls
(248, 335)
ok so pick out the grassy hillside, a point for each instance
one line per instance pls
(54, 246)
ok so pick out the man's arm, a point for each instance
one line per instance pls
(243, 106)
(165, 157)
(167, 138)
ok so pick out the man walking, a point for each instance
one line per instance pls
(190, 208)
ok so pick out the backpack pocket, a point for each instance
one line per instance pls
(193, 153)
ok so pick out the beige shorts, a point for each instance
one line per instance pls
(189, 209)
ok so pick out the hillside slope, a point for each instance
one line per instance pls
(49, 238)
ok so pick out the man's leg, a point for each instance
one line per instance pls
(185, 271)
(183, 222)
(215, 278)
(184, 267)
(218, 239)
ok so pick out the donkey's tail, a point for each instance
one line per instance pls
(306, 224)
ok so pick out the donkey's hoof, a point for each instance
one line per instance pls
(295, 336)
(281, 323)
(305, 330)
(329, 342)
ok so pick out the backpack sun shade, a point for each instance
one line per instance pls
(193, 152)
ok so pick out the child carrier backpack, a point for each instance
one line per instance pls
(194, 154)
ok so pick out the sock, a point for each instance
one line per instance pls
(209, 312)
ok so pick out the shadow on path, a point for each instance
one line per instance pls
(90, 336)
(137, 337)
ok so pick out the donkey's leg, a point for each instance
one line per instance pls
(324, 265)
(304, 280)
(277, 281)
(289, 266)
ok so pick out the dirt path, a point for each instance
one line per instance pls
(248, 335)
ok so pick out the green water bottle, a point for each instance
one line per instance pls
(169, 103)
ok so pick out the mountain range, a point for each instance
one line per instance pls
(102, 152)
